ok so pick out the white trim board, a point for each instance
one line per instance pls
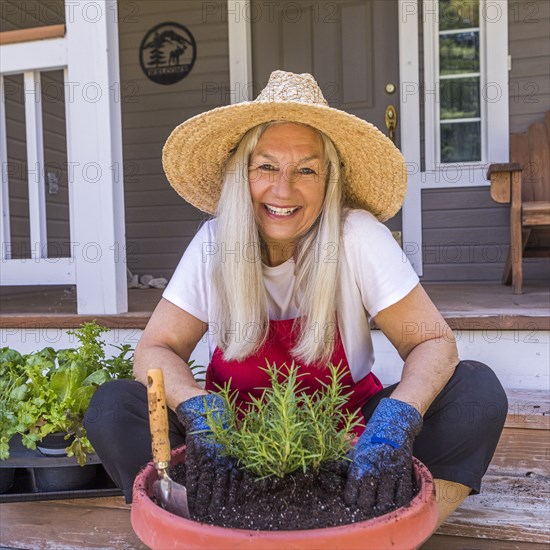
(37, 55)
(40, 271)
(520, 359)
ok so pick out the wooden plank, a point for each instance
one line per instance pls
(480, 299)
(97, 502)
(528, 409)
(519, 152)
(523, 452)
(500, 187)
(21, 321)
(56, 525)
(539, 157)
(508, 508)
(28, 35)
(447, 542)
(535, 213)
(516, 246)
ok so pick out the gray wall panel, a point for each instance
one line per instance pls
(465, 237)
(529, 47)
(159, 224)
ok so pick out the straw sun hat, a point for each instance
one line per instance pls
(196, 152)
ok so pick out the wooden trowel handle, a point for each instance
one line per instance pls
(158, 417)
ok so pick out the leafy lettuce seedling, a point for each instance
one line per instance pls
(49, 391)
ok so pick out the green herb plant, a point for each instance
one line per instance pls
(286, 430)
(51, 390)
(12, 393)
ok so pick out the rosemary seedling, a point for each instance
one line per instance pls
(286, 430)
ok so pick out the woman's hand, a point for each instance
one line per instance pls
(380, 474)
(209, 474)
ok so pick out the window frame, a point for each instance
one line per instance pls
(494, 141)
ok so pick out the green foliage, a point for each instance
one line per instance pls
(49, 391)
(286, 430)
(12, 393)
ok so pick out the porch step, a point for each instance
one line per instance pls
(513, 509)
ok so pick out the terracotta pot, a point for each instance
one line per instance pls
(405, 528)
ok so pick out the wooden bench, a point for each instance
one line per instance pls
(525, 184)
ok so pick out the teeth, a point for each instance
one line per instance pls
(281, 211)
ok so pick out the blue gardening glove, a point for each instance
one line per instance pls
(209, 474)
(380, 475)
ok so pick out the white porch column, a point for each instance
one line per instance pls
(94, 154)
(240, 50)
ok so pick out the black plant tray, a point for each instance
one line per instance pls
(26, 461)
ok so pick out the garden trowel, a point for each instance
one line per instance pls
(170, 495)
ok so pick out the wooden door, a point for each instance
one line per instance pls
(350, 47)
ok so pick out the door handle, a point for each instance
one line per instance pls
(391, 121)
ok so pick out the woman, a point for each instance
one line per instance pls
(291, 268)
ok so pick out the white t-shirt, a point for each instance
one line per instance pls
(375, 273)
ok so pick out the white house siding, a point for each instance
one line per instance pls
(23, 15)
(465, 234)
(159, 224)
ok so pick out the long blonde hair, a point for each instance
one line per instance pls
(241, 316)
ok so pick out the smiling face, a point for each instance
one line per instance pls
(287, 185)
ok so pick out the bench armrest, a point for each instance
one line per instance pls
(501, 180)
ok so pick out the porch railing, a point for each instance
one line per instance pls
(29, 52)
(86, 51)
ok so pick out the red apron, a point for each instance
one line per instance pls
(248, 378)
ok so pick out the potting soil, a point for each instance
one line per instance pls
(301, 500)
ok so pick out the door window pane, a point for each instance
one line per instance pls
(460, 142)
(459, 81)
(458, 14)
(459, 53)
(459, 98)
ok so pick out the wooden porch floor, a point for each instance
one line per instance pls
(464, 306)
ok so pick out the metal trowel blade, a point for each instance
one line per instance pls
(172, 497)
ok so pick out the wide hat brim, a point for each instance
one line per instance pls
(196, 152)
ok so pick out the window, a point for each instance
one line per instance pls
(459, 81)
(465, 79)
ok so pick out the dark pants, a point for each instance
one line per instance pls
(460, 433)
